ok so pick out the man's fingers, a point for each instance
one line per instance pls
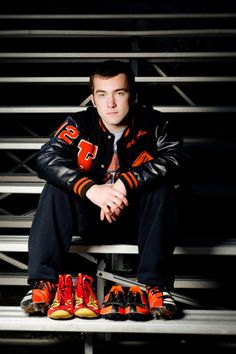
(120, 197)
(110, 217)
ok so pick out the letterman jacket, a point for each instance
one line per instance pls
(78, 155)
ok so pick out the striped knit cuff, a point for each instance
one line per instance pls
(129, 180)
(82, 185)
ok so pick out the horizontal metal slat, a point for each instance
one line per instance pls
(16, 221)
(124, 55)
(32, 33)
(22, 143)
(14, 279)
(73, 109)
(205, 322)
(18, 177)
(144, 80)
(149, 16)
(22, 187)
(19, 243)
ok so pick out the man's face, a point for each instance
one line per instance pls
(111, 97)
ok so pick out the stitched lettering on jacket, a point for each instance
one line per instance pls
(134, 140)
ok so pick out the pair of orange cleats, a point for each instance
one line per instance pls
(138, 305)
(70, 300)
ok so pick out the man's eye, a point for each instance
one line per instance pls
(101, 95)
(120, 93)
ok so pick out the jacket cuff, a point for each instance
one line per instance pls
(129, 180)
(82, 185)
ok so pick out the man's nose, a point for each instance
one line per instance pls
(111, 101)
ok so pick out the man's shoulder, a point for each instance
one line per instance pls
(146, 109)
(83, 114)
(147, 113)
(84, 118)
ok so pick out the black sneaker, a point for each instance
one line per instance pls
(39, 297)
(136, 308)
(113, 307)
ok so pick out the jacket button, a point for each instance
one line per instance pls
(109, 136)
(102, 166)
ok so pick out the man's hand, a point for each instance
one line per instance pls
(111, 198)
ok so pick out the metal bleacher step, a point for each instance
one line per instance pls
(42, 33)
(143, 80)
(15, 221)
(19, 243)
(183, 282)
(24, 187)
(205, 322)
(73, 109)
(85, 56)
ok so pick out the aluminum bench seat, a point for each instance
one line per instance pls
(19, 243)
(206, 322)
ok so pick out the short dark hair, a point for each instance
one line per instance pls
(111, 68)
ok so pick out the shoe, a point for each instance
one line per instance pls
(39, 297)
(161, 303)
(136, 308)
(63, 303)
(113, 307)
(86, 303)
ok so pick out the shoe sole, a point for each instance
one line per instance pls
(138, 317)
(34, 307)
(113, 312)
(135, 312)
(55, 316)
(85, 313)
(163, 313)
(114, 316)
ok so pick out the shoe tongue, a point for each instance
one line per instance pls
(155, 290)
(116, 289)
(87, 281)
(135, 289)
(39, 284)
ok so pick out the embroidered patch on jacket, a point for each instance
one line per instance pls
(142, 158)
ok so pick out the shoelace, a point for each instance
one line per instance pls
(64, 291)
(158, 290)
(134, 296)
(87, 285)
(155, 290)
(117, 296)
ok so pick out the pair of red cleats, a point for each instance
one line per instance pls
(78, 300)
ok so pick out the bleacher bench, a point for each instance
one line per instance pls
(202, 322)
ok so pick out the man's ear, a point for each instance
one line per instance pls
(92, 99)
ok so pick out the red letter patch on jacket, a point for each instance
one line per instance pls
(68, 134)
(87, 152)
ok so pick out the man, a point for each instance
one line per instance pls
(111, 174)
